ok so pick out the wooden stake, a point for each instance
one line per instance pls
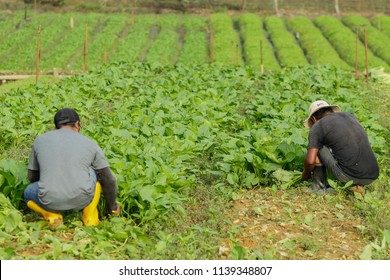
(38, 55)
(71, 22)
(211, 46)
(132, 17)
(105, 57)
(233, 53)
(85, 47)
(356, 50)
(164, 60)
(366, 46)
(276, 8)
(237, 55)
(261, 57)
(336, 6)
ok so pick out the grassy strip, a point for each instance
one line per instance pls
(251, 28)
(287, 50)
(318, 50)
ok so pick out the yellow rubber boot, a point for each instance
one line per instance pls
(90, 213)
(54, 219)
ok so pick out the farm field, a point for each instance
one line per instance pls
(189, 143)
(242, 39)
(203, 144)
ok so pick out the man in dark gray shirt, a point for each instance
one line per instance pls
(339, 143)
(66, 171)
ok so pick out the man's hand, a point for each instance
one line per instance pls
(306, 176)
(117, 211)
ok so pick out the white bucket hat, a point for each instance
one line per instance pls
(314, 107)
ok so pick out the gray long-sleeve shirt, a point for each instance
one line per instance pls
(64, 159)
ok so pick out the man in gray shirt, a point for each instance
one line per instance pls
(338, 143)
(66, 171)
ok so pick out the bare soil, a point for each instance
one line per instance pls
(293, 224)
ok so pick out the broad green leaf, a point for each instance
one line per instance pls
(367, 253)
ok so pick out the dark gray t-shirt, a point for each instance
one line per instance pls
(344, 135)
(65, 159)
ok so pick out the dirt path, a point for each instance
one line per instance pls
(293, 224)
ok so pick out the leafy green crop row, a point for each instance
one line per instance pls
(286, 48)
(195, 48)
(382, 22)
(104, 38)
(318, 50)
(164, 48)
(344, 41)
(132, 47)
(18, 49)
(377, 41)
(256, 46)
(70, 45)
(225, 42)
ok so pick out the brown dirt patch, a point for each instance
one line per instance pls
(293, 224)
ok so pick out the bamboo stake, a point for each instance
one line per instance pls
(38, 55)
(85, 47)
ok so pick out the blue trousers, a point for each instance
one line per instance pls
(32, 190)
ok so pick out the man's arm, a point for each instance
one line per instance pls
(110, 189)
(310, 162)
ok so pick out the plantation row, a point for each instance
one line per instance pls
(246, 39)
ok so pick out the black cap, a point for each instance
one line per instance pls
(65, 116)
